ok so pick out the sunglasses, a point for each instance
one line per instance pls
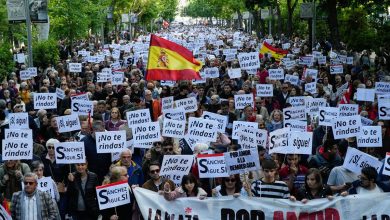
(155, 171)
(50, 147)
(230, 180)
(29, 183)
(80, 164)
(168, 149)
(156, 143)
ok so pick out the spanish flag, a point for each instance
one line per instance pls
(276, 53)
(170, 61)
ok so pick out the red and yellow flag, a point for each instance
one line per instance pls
(276, 53)
(170, 61)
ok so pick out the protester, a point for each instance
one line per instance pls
(156, 182)
(11, 175)
(313, 187)
(231, 185)
(189, 188)
(367, 183)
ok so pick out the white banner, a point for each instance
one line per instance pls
(17, 149)
(370, 136)
(346, 127)
(327, 115)
(365, 94)
(148, 132)
(75, 67)
(68, 123)
(82, 107)
(278, 140)
(69, 152)
(222, 120)
(238, 124)
(110, 141)
(138, 117)
(45, 101)
(112, 195)
(18, 120)
(294, 113)
(174, 167)
(348, 110)
(202, 129)
(276, 74)
(242, 161)
(189, 104)
(249, 60)
(212, 165)
(264, 90)
(241, 101)
(355, 160)
(173, 128)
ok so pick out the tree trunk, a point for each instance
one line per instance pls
(239, 19)
(333, 23)
(280, 20)
(256, 22)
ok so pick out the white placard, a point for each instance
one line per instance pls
(276, 74)
(292, 79)
(234, 73)
(286, 46)
(18, 120)
(174, 167)
(242, 161)
(80, 97)
(222, 120)
(366, 121)
(138, 117)
(327, 115)
(75, 67)
(68, 123)
(17, 149)
(45, 101)
(82, 107)
(46, 184)
(346, 127)
(212, 165)
(24, 75)
(370, 136)
(117, 78)
(147, 132)
(212, 72)
(262, 137)
(229, 51)
(278, 140)
(355, 161)
(382, 87)
(348, 110)
(167, 103)
(349, 60)
(336, 69)
(300, 143)
(312, 73)
(295, 125)
(60, 93)
(69, 152)
(113, 194)
(247, 138)
(384, 109)
(313, 105)
(33, 71)
(175, 114)
(294, 113)
(264, 90)
(365, 95)
(306, 61)
(20, 57)
(386, 166)
(110, 141)
(241, 101)
(173, 128)
(168, 83)
(321, 60)
(311, 87)
(103, 76)
(297, 101)
(202, 129)
(249, 60)
(188, 104)
(25, 134)
(238, 124)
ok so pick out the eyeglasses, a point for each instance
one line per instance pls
(156, 143)
(50, 147)
(29, 183)
(230, 180)
(155, 171)
(168, 149)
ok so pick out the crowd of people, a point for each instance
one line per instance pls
(299, 178)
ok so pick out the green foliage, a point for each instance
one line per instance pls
(45, 53)
(6, 61)
(168, 9)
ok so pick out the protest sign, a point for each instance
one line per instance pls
(189, 104)
(264, 90)
(300, 143)
(327, 115)
(212, 165)
(147, 132)
(238, 124)
(348, 110)
(117, 78)
(366, 121)
(355, 160)
(342, 89)
(311, 88)
(234, 73)
(278, 140)
(346, 127)
(311, 73)
(174, 167)
(17, 149)
(249, 60)
(103, 76)
(221, 120)
(79, 97)
(229, 51)
(202, 129)
(113, 194)
(175, 114)
(276, 74)
(365, 95)
(336, 69)
(138, 117)
(46, 184)
(382, 87)
(110, 141)
(45, 101)
(247, 137)
(211, 73)
(25, 134)
(313, 105)
(370, 136)
(60, 93)
(69, 152)
(68, 123)
(289, 64)
(294, 113)
(241, 101)
(242, 161)
(321, 60)
(75, 67)
(262, 137)
(115, 156)
(18, 120)
(386, 166)
(297, 101)
(306, 61)
(349, 60)
(81, 107)
(168, 83)
(24, 75)
(294, 80)
(295, 125)
(33, 71)
(286, 46)
(335, 61)
(173, 128)
(384, 109)
(167, 103)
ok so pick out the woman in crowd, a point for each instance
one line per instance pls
(11, 174)
(314, 188)
(276, 120)
(231, 185)
(115, 120)
(38, 167)
(189, 188)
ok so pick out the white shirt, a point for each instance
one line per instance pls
(30, 204)
(361, 190)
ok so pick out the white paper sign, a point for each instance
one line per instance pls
(276, 74)
(384, 109)
(69, 152)
(306, 61)
(167, 103)
(238, 124)
(297, 101)
(312, 73)
(60, 93)
(138, 117)
(202, 129)
(175, 114)
(17, 149)
(174, 167)
(382, 87)
(75, 67)
(348, 110)
(234, 73)
(336, 69)
(212, 165)
(241, 101)
(45, 184)
(68, 123)
(386, 167)
(327, 115)
(45, 101)
(79, 97)
(25, 134)
(247, 138)
(103, 76)
(18, 120)
(211, 72)
(110, 141)
(365, 94)
(346, 127)
(311, 87)
(173, 128)
(313, 105)
(189, 104)
(370, 136)
(222, 120)
(295, 125)
(249, 60)
(294, 113)
(356, 160)
(117, 78)
(168, 83)
(300, 143)
(147, 132)
(33, 71)
(112, 195)
(264, 90)
(366, 121)
(292, 79)
(24, 75)
(242, 161)
(278, 140)
(82, 107)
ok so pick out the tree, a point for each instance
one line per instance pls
(6, 61)
(291, 5)
(45, 53)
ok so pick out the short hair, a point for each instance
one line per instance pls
(154, 163)
(115, 175)
(37, 164)
(124, 151)
(268, 164)
(31, 175)
(52, 141)
(101, 102)
(328, 144)
(97, 125)
(370, 173)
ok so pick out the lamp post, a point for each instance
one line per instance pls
(29, 35)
